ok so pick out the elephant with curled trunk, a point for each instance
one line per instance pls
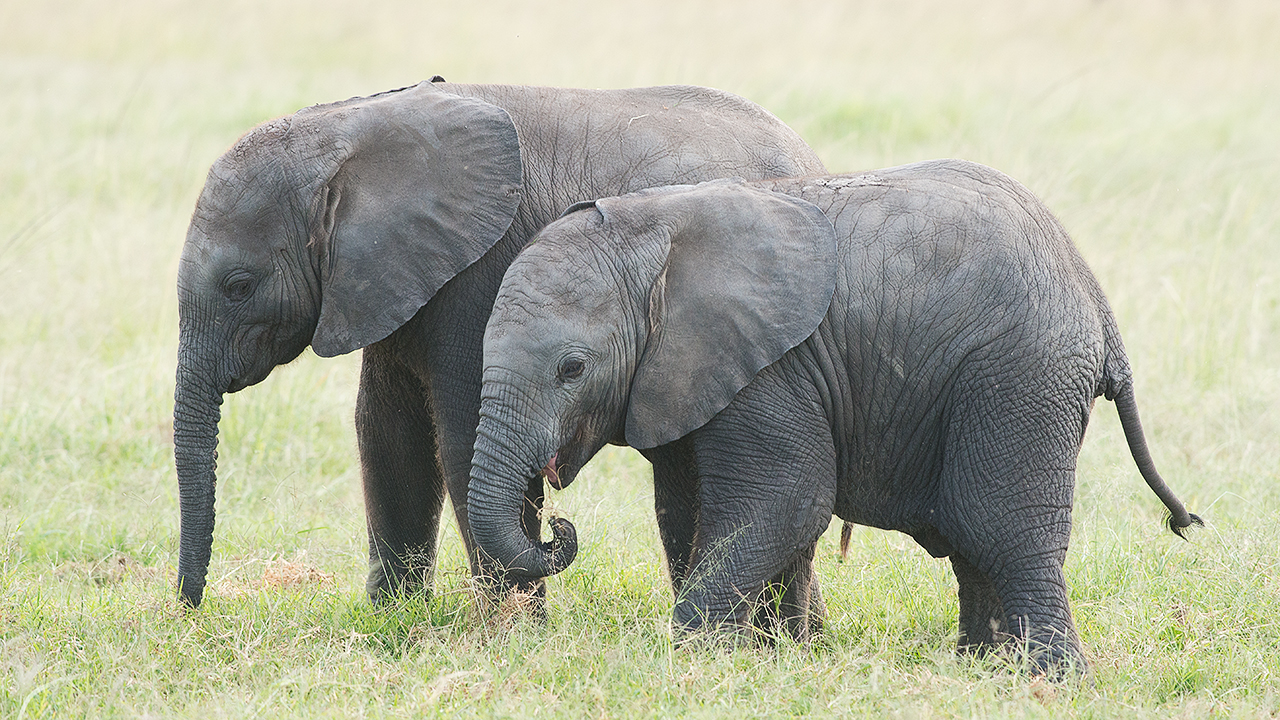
(386, 223)
(915, 349)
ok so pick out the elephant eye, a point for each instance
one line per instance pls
(238, 287)
(570, 369)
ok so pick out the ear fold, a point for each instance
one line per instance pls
(428, 182)
(749, 275)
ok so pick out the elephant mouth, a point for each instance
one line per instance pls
(551, 472)
(558, 474)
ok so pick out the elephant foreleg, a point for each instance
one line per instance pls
(792, 602)
(675, 491)
(766, 494)
(403, 487)
(675, 499)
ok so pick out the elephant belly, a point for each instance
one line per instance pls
(891, 477)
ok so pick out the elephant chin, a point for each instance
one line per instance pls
(261, 369)
(238, 384)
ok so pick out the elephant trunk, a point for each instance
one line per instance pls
(197, 404)
(495, 498)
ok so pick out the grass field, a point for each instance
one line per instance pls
(1151, 128)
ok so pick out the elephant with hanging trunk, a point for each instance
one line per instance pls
(915, 349)
(386, 223)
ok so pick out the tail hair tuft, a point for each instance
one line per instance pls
(1177, 529)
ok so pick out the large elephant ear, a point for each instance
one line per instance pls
(428, 182)
(749, 275)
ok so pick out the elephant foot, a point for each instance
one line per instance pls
(395, 582)
(792, 602)
(530, 597)
(1049, 654)
(761, 622)
(981, 645)
(718, 638)
(506, 599)
(382, 593)
(1054, 661)
(775, 617)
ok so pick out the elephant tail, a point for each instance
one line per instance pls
(846, 532)
(1127, 407)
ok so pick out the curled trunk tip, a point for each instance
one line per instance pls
(563, 546)
(543, 559)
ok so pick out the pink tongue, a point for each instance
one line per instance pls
(549, 472)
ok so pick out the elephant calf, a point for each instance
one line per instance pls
(385, 223)
(915, 349)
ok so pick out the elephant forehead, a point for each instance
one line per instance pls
(275, 168)
(560, 275)
(265, 138)
(242, 193)
(538, 313)
(241, 230)
(525, 322)
(526, 341)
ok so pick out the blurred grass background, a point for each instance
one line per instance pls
(1150, 127)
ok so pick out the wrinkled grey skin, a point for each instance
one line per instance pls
(915, 349)
(386, 223)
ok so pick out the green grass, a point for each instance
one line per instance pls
(1149, 127)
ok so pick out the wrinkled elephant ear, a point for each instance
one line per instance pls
(428, 182)
(749, 275)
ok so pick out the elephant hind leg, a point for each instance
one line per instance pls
(1039, 619)
(1012, 590)
(1017, 575)
(1007, 483)
(982, 621)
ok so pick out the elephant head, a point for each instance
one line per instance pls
(636, 320)
(331, 228)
